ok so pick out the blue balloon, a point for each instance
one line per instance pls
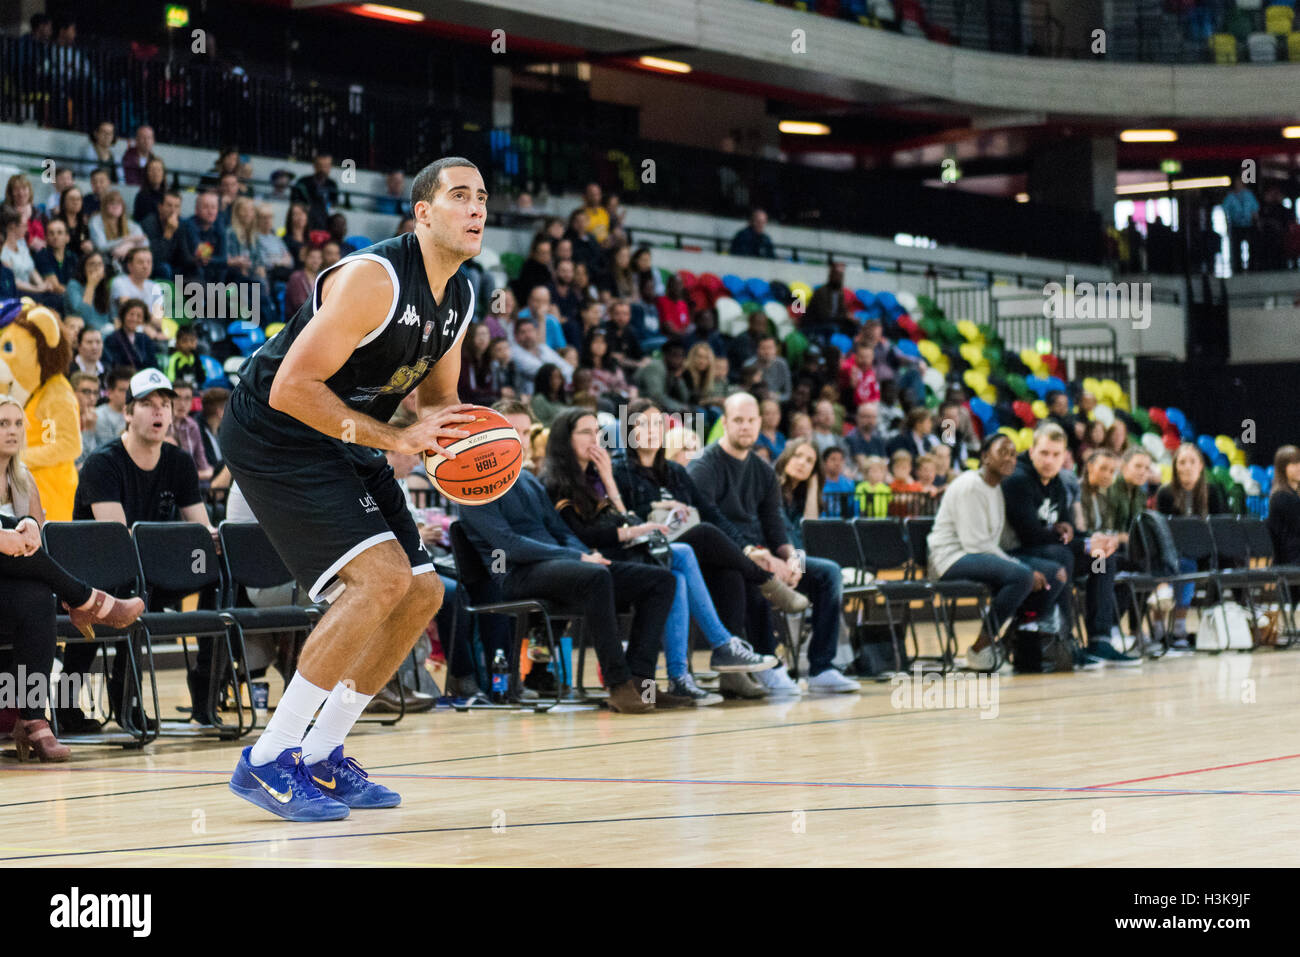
(908, 348)
(757, 288)
(842, 342)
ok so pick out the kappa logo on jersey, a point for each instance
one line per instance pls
(410, 317)
(450, 323)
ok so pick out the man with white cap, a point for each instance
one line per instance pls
(139, 477)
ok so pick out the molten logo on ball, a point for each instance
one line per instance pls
(487, 460)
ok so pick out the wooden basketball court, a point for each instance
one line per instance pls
(1187, 761)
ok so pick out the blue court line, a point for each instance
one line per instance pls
(1053, 789)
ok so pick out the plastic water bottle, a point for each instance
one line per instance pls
(500, 678)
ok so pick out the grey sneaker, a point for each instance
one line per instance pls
(831, 681)
(777, 681)
(985, 659)
(783, 597)
(465, 687)
(739, 655)
(685, 687)
(739, 685)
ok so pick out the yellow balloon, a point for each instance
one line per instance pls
(970, 332)
(1093, 385)
(989, 394)
(800, 289)
(1237, 457)
(1039, 408)
(169, 328)
(970, 351)
(942, 363)
(1166, 472)
(1224, 444)
(975, 380)
(1025, 439)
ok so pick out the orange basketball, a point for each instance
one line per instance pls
(487, 460)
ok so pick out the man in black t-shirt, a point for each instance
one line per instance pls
(139, 477)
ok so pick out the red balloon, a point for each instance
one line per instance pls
(1158, 416)
(1172, 440)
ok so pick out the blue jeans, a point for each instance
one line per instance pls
(823, 583)
(1187, 591)
(691, 600)
(1010, 581)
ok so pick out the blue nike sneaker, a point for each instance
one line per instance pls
(344, 780)
(284, 788)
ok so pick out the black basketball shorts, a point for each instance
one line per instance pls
(322, 501)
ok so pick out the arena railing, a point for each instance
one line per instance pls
(191, 102)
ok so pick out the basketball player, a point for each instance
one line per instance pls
(303, 435)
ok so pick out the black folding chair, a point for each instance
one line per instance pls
(102, 554)
(885, 549)
(1194, 542)
(477, 584)
(1259, 540)
(179, 559)
(1232, 560)
(250, 561)
(832, 539)
(950, 591)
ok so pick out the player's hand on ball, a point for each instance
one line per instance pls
(427, 434)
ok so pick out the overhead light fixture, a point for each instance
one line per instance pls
(1203, 182)
(384, 12)
(1291, 132)
(1157, 186)
(804, 129)
(1022, 197)
(1148, 136)
(668, 66)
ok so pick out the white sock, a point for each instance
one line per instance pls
(300, 701)
(340, 713)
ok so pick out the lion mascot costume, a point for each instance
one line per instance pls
(34, 356)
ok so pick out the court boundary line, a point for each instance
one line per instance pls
(564, 823)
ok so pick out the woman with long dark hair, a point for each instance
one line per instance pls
(606, 374)
(475, 377)
(548, 393)
(799, 473)
(1187, 493)
(578, 475)
(650, 482)
(87, 295)
(297, 233)
(72, 210)
(152, 190)
(1284, 506)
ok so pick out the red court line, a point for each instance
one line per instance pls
(1175, 774)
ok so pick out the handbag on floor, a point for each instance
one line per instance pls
(1225, 627)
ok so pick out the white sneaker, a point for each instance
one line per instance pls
(777, 681)
(831, 681)
(983, 660)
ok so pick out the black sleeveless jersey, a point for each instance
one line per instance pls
(393, 359)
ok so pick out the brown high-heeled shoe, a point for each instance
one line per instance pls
(36, 736)
(105, 610)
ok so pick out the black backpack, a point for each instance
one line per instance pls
(1151, 544)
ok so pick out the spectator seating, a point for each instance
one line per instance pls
(102, 554)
